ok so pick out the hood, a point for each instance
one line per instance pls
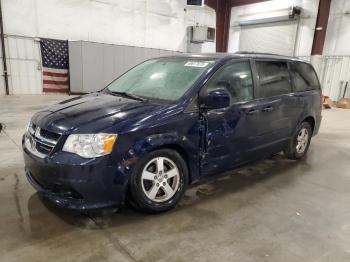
(89, 109)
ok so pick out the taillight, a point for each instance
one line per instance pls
(321, 100)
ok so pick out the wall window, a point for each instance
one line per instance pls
(274, 78)
(236, 78)
(304, 77)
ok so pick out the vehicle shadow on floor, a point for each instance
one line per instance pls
(231, 183)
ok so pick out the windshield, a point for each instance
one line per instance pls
(163, 78)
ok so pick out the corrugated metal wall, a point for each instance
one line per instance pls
(92, 65)
(23, 65)
(333, 72)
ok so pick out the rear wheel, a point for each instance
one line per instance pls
(159, 181)
(299, 143)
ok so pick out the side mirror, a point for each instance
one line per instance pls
(215, 99)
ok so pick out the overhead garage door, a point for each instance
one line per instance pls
(276, 37)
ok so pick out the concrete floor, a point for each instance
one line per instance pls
(273, 210)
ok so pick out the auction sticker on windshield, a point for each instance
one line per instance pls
(196, 64)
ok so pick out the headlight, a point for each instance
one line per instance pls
(90, 145)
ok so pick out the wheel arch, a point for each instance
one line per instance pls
(184, 146)
(311, 121)
(182, 152)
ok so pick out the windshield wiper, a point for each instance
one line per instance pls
(127, 95)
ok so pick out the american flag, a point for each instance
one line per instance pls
(55, 61)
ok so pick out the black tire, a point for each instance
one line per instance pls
(291, 151)
(138, 198)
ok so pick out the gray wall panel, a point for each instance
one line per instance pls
(164, 53)
(75, 66)
(119, 60)
(130, 59)
(94, 65)
(140, 55)
(151, 53)
(108, 64)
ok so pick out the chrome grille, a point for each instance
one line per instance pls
(39, 141)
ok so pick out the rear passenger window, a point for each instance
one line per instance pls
(274, 78)
(304, 77)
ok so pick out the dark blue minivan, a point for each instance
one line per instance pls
(168, 123)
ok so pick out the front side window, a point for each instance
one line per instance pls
(163, 78)
(236, 78)
(304, 77)
(274, 78)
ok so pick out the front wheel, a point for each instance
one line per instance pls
(159, 180)
(299, 143)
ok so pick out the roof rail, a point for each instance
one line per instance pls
(260, 53)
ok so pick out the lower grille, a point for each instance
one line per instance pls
(64, 191)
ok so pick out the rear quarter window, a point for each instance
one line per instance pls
(304, 77)
(274, 78)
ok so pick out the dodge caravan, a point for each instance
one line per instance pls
(168, 123)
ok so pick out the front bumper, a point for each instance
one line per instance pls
(77, 183)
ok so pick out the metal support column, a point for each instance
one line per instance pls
(2, 36)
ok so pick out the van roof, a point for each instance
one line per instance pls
(239, 55)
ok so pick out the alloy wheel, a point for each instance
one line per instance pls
(302, 140)
(160, 179)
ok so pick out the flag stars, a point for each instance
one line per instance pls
(54, 53)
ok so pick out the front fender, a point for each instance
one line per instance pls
(185, 147)
(152, 142)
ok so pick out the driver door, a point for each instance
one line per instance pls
(229, 133)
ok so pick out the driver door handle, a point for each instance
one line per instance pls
(267, 109)
(252, 111)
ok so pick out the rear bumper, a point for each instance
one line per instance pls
(76, 183)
